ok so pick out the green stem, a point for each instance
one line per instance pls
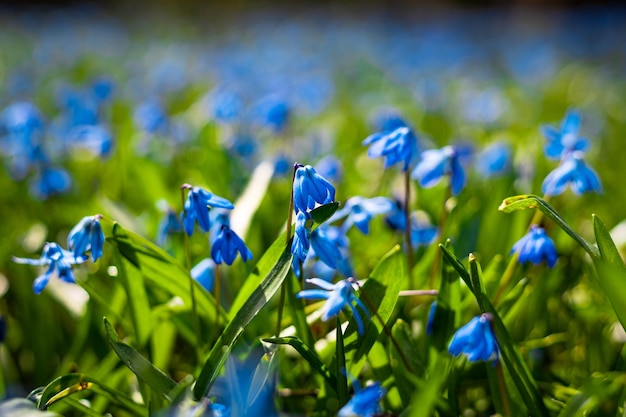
(192, 294)
(502, 387)
(442, 224)
(407, 227)
(216, 293)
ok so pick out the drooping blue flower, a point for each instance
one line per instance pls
(567, 139)
(536, 247)
(169, 224)
(197, 207)
(50, 181)
(227, 245)
(301, 241)
(476, 340)
(574, 172)
(494, 160)
(365, 402)
(436, 163)
(204, 273)
(398, 144)
(86, 236)
(310, 188)
(338, 296)
(325, 248)
(359, 211)
(59, 261)
(422, 232)
(396, 217)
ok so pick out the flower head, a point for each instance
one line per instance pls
(436, 163)
(398, 144)
(50, 181)
(226, 246)
(197, 208)
(301, 242)
(338, 296)
(566, 140)
(204, 273)
(86, 236)
(365, 402)
(494, 160)
(59, 261)
(476, 340)
(536, 247)
(359, 211)
(574, 172)
(310, 188)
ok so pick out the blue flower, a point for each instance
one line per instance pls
(151, 118)
(204, 273)
(566, 140)
(272, 111)
(86, 236)
(359, 211)
(396, 217)
(301, 242)
(430, 322)
(226, 246)
(422, 232)
(536, 247)
(494, 160)
(197, 208)
(476, 340)
(170, 223)
(330, 168)
(338, 296)
(310, 188)
(95, 138)
(574, 172)
(325, 248)
(398, 144)
(435, 164)
(50, 181)
(365, 402)
(59, 261)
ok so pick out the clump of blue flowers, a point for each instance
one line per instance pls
(536, 247)
(476, 340)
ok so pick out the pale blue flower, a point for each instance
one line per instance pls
(197, 208)
(227, 245)
(536, 247)
(435, 164)
(365, 402)
(398, 144)
(574, 172)
(476, 340)
(59, 261)
(50, 181)
(310, 188)
(359, 211)
(86, 236)
(204, 273)
(494, 160)
(567, 139)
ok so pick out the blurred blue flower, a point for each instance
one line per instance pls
(476, 340)
(338, 296)
(86, 236)
(226, 245)
(422, 232)
(170, 223)
(359, 212)
(567, 139)
(494, 160)
(536, 247)
(95, 138)
(102, 88)
(20, 121)
(396, 217)
(572, 171)
(151, 117)
(430, 322)
(436, 163)
(204, 273)
(224, 105)
(272, 111)
(310, 188)
(301, 242)
(365, 402)
(197, 208)
(59, 261)
(398, 144)
(325, 248)
(330, 168)
(50, 181)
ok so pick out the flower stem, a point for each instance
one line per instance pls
(443, 219)
(192, 294)
(216, 293)
(502, 387)
(407, 226)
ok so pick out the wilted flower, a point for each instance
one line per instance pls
(310, 188)
(226, 246)
(86, 236)
(338, 296)
(536, 247)
(365, 402)
(574, 172)
(566, 140)
(359, 211)
(436, 163)
(476, 340)
(58, 260)
(197, 208)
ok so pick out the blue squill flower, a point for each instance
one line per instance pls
(566, 140)
(310, 188)
(365, 402)
(436, 163)
(476, 340)
(396, 217)
(330, 168)
(574, 172)
(422, 232)
(224, 105)
(197, 208)
(204, 273)
(338, 296)
(151, 117)
(396, 145)
(272, 111)
(95, 138)
(536, 247)
(226, 246)
(359, 212)
(301, 239)
(325, 248)
(59, 261)
(494, 160)
(86, 236)
(50, 181)
(169, 224)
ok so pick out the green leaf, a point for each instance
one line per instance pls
(403, 379)
(322, 213)
(340, 361)
(428, 391)
(608, 250)
(241, 318)
(307, 354)
(139, 365)
(523, 202)
(448, 299)
(20, 407)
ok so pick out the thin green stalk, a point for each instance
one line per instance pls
(192, 294)
(407, 227)
(502, 387)
(216, 293)
(443, 219)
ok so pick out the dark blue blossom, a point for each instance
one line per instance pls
(396, 217)
(204, 273)
(574, 172)
(86, 236)
(227, 245)
(365, 402)
(197, 208)
(436, 163)
(359, 211)
(325, 248)
(59, 261)
(494, 160)
(476, 340)
(310, 188)
(536, 247)
(567, 139)
(338, 296)
(430, 322)
(301, 239)
(398, 144)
